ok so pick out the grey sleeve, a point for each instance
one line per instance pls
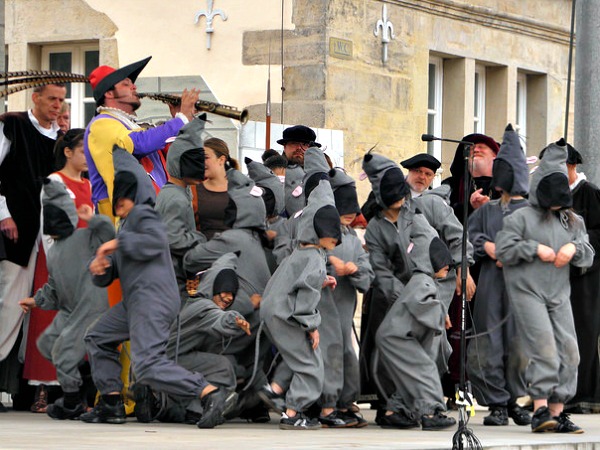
(511, 247)
(204, 254)
(477, 236)
(180, 238)
(364, 276)
(584, 254)
(46, 297)
(145, 240)
(109, 276)
(382, 267)
(306, 298)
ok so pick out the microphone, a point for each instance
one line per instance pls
(431, 137)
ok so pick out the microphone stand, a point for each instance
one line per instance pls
(464, 397)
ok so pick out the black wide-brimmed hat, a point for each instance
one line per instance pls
(104, 77)
(421, 160)
(299, 133)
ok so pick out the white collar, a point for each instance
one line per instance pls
(51, 132)
(580, 177)
(119, 114)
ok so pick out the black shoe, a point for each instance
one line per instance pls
(498, 416)
(58, 411)
(361, 422)
(519, 415)
(105, 413)
(565, 425)
(543, 421)
(147, 406)
(298, 422)
(215, 405)
(337, 420)
(438, 421)
(256, 414)
(399, 420)
(274, 401)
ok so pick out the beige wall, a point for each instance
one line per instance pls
(370, 102)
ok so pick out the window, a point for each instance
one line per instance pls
(81, 59)
(521, 116)
(434, 105)
(479, 98)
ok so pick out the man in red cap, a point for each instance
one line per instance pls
(115, 124)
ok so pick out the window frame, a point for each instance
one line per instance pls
(435, 148)
(479, 82)
(78, 100)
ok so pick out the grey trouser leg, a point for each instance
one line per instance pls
(147, 326)
(63, 345)
(331, 345)
(549, 340)
(495, 363)
(305, 363)
(216, 369)
(351, 386)
(414, 373)
(102, 341)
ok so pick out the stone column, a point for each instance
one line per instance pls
(587, 89)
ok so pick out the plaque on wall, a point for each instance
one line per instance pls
(340, 48)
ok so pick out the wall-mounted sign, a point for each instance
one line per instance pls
(340, 48)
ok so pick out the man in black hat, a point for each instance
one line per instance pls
(421, 171)
(296, 140)
(115, 124)
(584, 290)
(27, 141)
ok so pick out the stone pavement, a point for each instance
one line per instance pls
(24, 430)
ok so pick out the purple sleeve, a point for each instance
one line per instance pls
(153, 139)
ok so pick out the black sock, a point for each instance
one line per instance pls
(111, 399)
(72, 399)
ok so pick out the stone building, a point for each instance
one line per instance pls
(361, 72)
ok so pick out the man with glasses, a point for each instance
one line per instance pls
(296, 140)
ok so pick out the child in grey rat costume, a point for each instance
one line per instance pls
(274, 198)
(349, 253)
(141, 259)
(535, 246)
(495, 361)
(405, 337)
(315, 168)
(70, 291)
(185, 166)
(197, 342)
(245, 214)
(289, 306)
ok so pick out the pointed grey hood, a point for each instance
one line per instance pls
(60, 213)
(314, 162)
(344, 192)
(510, 171)
(322, 196)
(387, 180)
(188, 139)
(249, 208)
(265, 178)
(125, 163)
(553, 162)
(427, 249)
(207, 279)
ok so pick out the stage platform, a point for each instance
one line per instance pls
(24, 430)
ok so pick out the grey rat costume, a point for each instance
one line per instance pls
(539, 291)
